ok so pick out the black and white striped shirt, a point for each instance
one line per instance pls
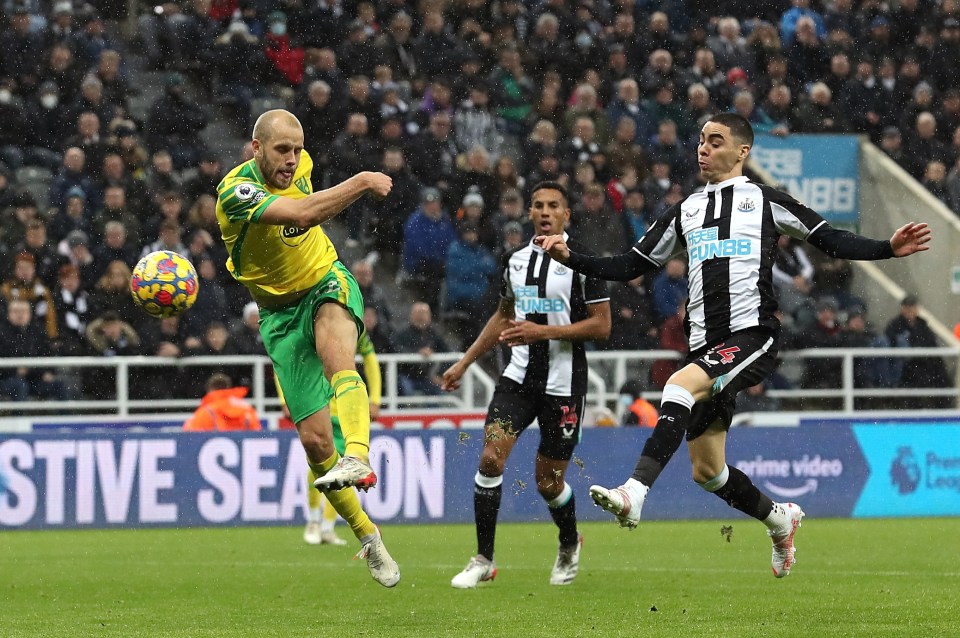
(547, 292)
(730, 232)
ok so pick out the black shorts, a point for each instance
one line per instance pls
(560, 418)
(743, 359)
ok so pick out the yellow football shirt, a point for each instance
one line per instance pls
(279, 264)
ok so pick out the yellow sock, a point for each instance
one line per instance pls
(329, 513)
(314, 497)
(353, 409)
(345, 501)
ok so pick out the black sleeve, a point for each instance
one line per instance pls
(622, 267)
(847, 245)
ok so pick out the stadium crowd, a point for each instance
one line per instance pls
(466, 104)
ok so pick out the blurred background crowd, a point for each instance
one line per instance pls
(117, 121)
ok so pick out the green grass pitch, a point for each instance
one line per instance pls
(854, 578)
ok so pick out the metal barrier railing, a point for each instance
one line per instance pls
(609, 370)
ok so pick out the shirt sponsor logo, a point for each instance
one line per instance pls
(529, 301)
(703, 245)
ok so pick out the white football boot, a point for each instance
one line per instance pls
(784, 553)
(381, 565)
(567, 564)
(479, 569)
(624, 502)
(348, 472)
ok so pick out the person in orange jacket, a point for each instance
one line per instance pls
(639, 411)
(223, 408)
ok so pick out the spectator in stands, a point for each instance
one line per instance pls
(20, 48)
(819, 114)
(673, 336)
(360, 100)
(422, 337)
(745, 106)
(637, 410)
(471, 267)
(112, 292)
(825, 332)
(580, 146)
(935, 181)
(434, 153)
(44, 255)
(115, 209)
(171, 210)
(115, 173)
(378, 330)
(513, 92)
(729, 48)
(353, 152)
(91, 100)
(388, 214)
(434, 47)
(923, 145)
(910, 330)
(427, 235)
(322, 118)
(670, 289)
(71, 175)
(223, 409)
(634, 326)
(13, 225)
(88, 138)
(73, 311)
(23, 339)
(779, 109)
(637, 216)
(473, 122)
(205, 180)
(597, 226)
(891, 142)
(869, 372)
(214, 342)
(373, 295)
(175, 122)
(807, 54)
(756, 399)
(46, 127)
(285, 58)
(108, 336)
(667, 148)
(396, 49)
(75, 249)
(25, 285)
(245, 334)
(66, 73)
(862, 100)
(211, 305)
(161, 176)
(240, 83)
(792, 275)
(115, 247)
(628, 104)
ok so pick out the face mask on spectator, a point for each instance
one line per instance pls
(49, 101)
(5, 96)
(278, 29)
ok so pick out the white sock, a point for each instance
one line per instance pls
(777, 520)
(326, 526)
(635, 487)
(314, 514)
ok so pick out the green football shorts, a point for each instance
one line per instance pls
(289, 339)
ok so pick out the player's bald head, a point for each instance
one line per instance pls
(270, 122)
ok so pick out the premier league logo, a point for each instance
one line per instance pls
(905, 471)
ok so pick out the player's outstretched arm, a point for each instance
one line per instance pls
(910, 238)
(907, 240)
(317, 208)
(622, 267)
(485, 341)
